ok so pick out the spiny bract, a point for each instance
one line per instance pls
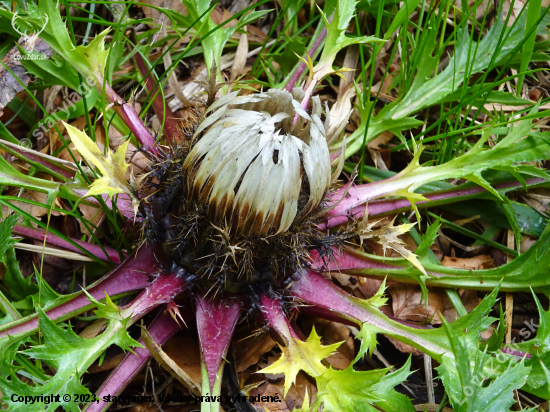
(234, 202)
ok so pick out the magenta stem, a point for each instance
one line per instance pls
(320, 292)
(346, 261)
(130, 117)
(123, 203)
(302, 67)
(162, 110)
(162, 290)
(132, 274)
(216, 321)
(273, 313)
(161, 329)
(517, 353)
(342, 212)
(29, 156)
(108, 254)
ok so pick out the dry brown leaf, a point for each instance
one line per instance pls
(538, 198)
(270, 389)
(108, 364)
(369, 287)
(240, 57)
(249, 351)
(169, 364)
(526, 243)
(473, 263)
(446, 241)
(344, 280)
(93, 215)
(469, 299)
(498, 108)
(404, 348)
(10, 85)
(381, 140)
(294, 397)
(431, 407)
(35, 211)
(154, 14)
(255, 35)
(517, 7)
(406, 303)
(184, 351)
(94, 329)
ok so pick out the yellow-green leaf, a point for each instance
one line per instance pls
(300, 355)
(113, 167)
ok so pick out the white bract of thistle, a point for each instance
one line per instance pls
(258, 155)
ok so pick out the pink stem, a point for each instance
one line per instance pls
(123, 203)
(130, 117)
(162, 290)
(161, 329)
(25, 155)
(517, 353)
(108, 255)
(162, 110)
(360, 194)
(302, 67)
(328, 315)
(316, 290)
(273, 312)
(216, 321)
(345, 261)
(319, 291)
(132, 274)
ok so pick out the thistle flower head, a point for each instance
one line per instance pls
(263, 162)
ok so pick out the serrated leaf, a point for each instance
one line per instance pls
(300, 355)
(112, 167)
(213, 38)
(93, 54)
(539, 347)
(336, 38)
(89, 60)
(107, 310)
(70, 355)
(367, 334)
(379, 298)
(6, 241)
(46, 296)
(19, 287)
(429, 237)
(464, 377)
(519, 146)
(353, 391)
(52, 71)
(469, 57)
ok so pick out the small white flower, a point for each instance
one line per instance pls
(256, 160)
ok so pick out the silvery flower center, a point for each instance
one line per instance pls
(262, 164)
(233, 203)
